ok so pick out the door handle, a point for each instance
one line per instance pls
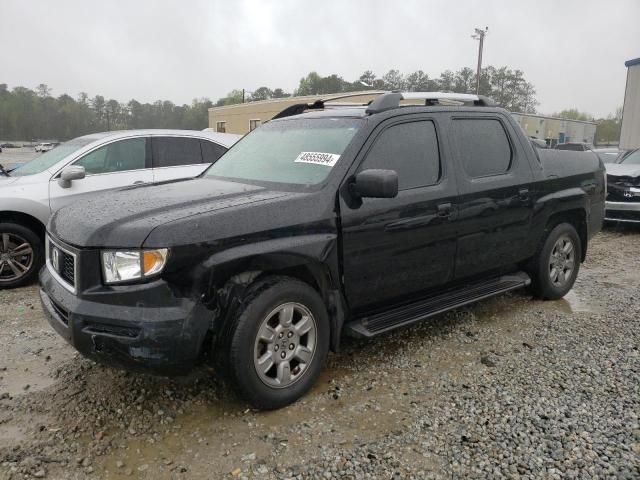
(138, 182)
(523, 193)
(444, 210)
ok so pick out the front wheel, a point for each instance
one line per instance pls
(278, 343)
(21, 255)
(555, 268)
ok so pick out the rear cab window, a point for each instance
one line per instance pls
(483, 146)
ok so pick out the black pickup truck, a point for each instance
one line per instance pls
(323, 222)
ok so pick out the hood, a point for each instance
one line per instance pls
(7, 180)
(124, 218)
(622, 170)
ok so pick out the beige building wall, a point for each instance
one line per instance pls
(630, 133)
(240, 118)
(554, 129)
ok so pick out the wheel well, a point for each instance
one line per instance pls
(578, 219)
(24, 219)
(236, 286)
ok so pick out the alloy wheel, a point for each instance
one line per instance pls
(562, 261)
(285, 345)
(16, 257)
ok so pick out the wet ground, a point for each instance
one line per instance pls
(509, 387)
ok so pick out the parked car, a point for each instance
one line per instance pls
(79, 168)
(575, 146)
(608, 155)
(623, 193)
(340, 220)
(538, 143)
(9, 145)
(44, 147)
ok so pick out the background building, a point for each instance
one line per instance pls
(243, 117)
(630, 133)
(556, 130)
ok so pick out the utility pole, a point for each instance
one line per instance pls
(479, 35)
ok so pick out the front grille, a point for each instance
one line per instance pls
(62, 262)
(68, 269)
(625, 181)
(618, 196)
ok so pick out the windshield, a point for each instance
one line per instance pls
(50, 158)
(632, 158)
(298, 152)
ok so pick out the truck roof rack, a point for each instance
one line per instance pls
(391, 100)
(299, 108)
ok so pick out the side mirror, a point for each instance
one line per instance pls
(375, 184)
(73, 172)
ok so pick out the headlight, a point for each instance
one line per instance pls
(127, 265)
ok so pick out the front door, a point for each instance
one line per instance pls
(118, 164)
(396, 248)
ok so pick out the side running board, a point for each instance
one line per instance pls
(375, 324)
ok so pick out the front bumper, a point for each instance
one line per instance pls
(145, 336)
(623, 211)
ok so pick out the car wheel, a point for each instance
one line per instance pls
(556, 266)
(279, 342)
(21, 255)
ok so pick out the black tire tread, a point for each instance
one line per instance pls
(235, 376)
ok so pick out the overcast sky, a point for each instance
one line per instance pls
(572, 51)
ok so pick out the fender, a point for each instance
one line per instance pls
(574, 201)
(225, 274)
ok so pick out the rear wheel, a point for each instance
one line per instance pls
(278, 343)
(556, 266)
(21, 255)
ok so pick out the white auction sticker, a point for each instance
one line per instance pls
(318, 158)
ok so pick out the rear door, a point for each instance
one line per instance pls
(394, 248)
(117, 164)
(177, 157)
(494, 180)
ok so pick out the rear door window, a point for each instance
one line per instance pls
(411, 150)
(483, 146)
(175, 151)
(211, 151)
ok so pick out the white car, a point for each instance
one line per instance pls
(44, 147)
(81, 167)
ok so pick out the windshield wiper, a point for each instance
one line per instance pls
(3, 171)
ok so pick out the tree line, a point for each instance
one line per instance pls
(27, 114)
(507, 87)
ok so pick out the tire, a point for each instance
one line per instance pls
(555, 267)
(264, 312)
(21, 255)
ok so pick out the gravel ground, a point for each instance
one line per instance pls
(510, 387)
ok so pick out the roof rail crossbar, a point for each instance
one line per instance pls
(390, 100)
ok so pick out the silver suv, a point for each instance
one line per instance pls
(81, 167)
